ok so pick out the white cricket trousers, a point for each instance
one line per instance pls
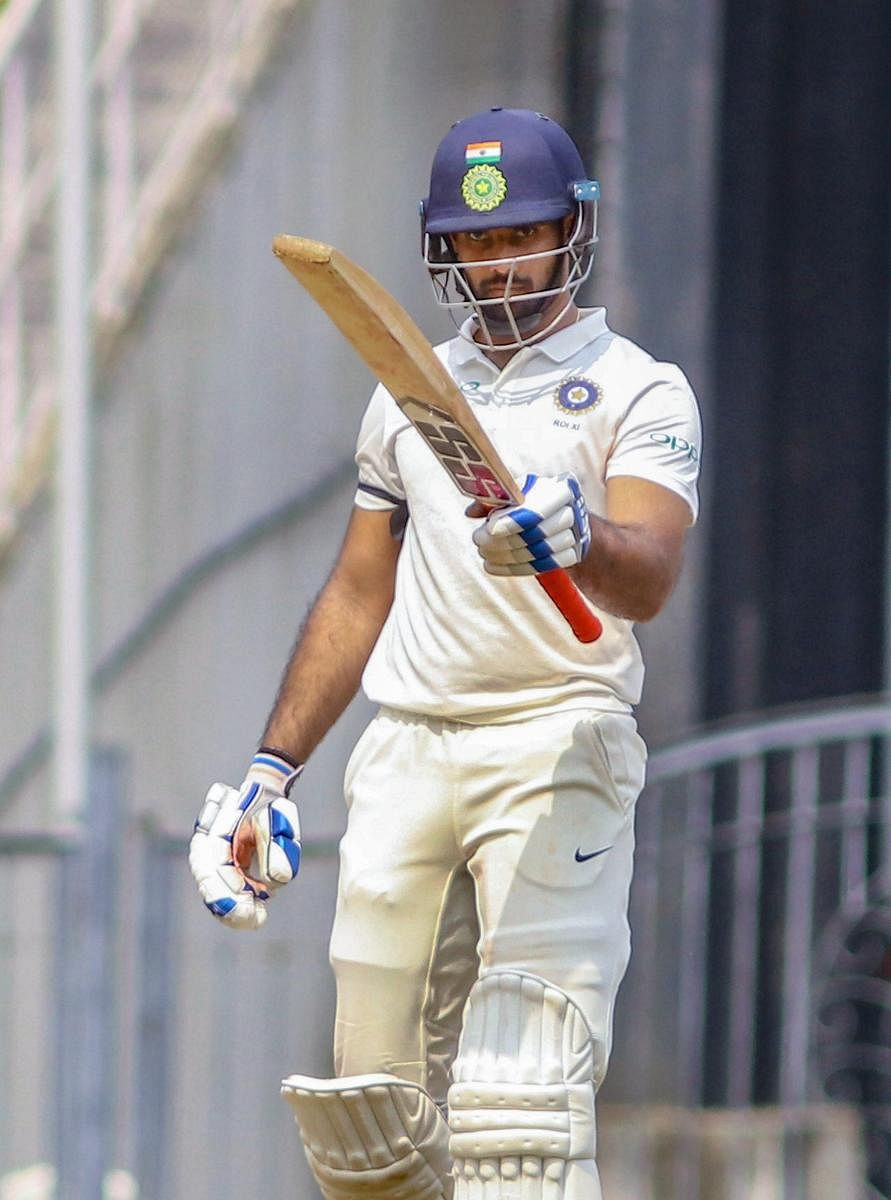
(471, 847)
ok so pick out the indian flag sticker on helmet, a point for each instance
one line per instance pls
(483, 187)
(482, 152)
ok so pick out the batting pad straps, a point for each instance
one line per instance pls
(495, 1120)
(371, 1136)
(522, 1103)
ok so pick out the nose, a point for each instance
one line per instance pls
(500, 270)
(503, 247)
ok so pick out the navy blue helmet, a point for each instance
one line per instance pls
(504, 166)
(507, 167)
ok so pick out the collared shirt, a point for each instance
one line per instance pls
(461, 644)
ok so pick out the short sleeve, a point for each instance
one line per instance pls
(379, 487)
(659, 438)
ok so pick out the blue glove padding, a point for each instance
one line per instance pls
(261, 800)
(550, 530)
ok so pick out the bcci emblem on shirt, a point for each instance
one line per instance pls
(577, 394)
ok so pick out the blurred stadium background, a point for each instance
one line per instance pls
(176, 431)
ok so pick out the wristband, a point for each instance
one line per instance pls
(276, 768)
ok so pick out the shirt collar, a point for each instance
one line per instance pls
(558, 347)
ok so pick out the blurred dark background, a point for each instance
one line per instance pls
(799, 424)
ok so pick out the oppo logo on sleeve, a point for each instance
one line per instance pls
(681, 445)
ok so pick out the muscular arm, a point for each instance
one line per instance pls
(331, 651)
(636, 552)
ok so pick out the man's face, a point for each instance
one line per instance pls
(511, 242)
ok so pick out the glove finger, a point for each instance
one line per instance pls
(238, 912)
(538, 566)
(209, 817)
(508, 552)
(563, 518)
(221, 885)
(212, 865)
(566, 557)
(519, 549)
(549, 494)
(557, 543)
(482, 537)
(245, 911)
(547, 500)
(509, 569)
(507, 522)
(277, 830)
(514, 543)
(540, 559)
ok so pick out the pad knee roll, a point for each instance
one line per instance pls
(521, 1108)
(371, 1136)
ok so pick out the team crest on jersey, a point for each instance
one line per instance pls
(577, 394)
(483, 187)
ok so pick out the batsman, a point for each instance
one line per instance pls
(481, 928)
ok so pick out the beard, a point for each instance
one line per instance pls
(524, 314)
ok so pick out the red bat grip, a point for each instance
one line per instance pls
(569, 600)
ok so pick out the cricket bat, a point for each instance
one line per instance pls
(399, 355)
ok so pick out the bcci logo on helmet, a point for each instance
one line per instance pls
(483, 187)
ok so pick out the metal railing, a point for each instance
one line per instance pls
(147, 1042)
(804, 1152)
(761, 849)
(167, 83)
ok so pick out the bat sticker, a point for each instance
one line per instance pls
(460, 456)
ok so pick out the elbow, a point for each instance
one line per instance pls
(649, 601)
(636, 595)
(652, 600)
(646, 612)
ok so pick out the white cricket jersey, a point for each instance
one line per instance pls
(467, 646)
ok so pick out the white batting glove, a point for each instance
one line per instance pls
(238, 900)
(550, 530)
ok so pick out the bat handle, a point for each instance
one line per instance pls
(569, 600)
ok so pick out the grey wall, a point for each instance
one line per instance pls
(655, 155)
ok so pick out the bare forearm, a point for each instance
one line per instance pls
(325, 668)
(629, 570)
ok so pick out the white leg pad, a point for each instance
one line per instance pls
(521, 1108)
(371, 1135)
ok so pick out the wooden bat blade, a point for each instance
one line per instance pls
(399, 355)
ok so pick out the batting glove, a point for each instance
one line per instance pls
(550, 530)
(263, 801)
